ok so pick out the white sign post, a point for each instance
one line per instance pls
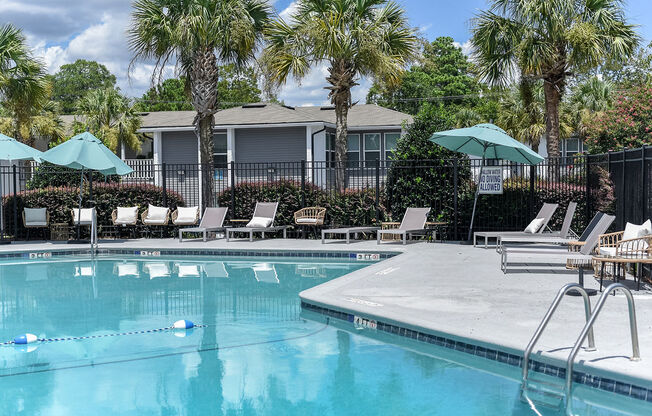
(491, 180)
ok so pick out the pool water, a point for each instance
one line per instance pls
(258, 353)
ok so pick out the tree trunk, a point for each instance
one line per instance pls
(552, 89)
(203, 87)
(341, 80)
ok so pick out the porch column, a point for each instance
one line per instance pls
(157, 157)
(230, 151)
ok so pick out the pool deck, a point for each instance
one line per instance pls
(458, 290)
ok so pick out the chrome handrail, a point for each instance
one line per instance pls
(636, 355)
(544, 322)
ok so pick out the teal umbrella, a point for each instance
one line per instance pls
(86, 152)
(489, 142)
(12, 149)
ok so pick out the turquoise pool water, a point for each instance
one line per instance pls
(257, 355)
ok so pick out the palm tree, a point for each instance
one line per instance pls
(550, 41)
(523, 116)
(355, 37)
(198, 35)
(25, 91)
(588, 101)
(111, 117)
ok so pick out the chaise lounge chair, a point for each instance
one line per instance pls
(546, 212)
(347, 231)
(261, 222)
(211, 222)
(557, 254)
(414, 221)
(563, 236)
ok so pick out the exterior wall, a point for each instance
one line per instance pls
(274, 144)
(179, 151)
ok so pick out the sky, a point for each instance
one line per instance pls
(61, 31)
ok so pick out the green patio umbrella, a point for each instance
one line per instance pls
(489, 142)
(11, 149)
(86, 152)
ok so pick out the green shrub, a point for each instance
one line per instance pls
(47, 175)
(352, 207)
(59, 201)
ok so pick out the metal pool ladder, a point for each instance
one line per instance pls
(550, 390)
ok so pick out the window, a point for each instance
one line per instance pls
(353, 150)
(371, 148)
(330, 147)
(390, 143)
(219, 154)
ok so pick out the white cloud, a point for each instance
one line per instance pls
(467, 48)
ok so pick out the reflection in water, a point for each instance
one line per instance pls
(255, 356)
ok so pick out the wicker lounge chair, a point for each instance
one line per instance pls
(156, 216)
(264, 213)
(185, 216)
(414, 221)
(310, 217)
(546, 212)
(557, 254)
(125, 217)
(36, 218)
(211, 222)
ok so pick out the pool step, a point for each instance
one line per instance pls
(545, 391)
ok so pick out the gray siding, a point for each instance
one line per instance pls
(179, 147)
(273, 144)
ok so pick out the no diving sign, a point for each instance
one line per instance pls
(491, 180)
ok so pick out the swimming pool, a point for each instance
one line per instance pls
(258, 352)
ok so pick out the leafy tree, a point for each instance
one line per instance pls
(235, 87)
(550, 40)
(421, 173)
(443, 71)
(589, 100)
(72, 81)
(170, 95)
(198, 34)
(356, 38)
(26, 110)
(626, 125)
(110, 117)
(632, 73)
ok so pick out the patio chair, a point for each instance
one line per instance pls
(156, 216)
(261, 222)
(82, 218)
(125, 217)
(185, 216)
(546, 212)
(211, 222)
(414, 222)
(310, 217)
(38, 218)
(557, 254)
(563, 236)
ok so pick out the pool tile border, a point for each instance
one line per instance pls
(602, 383)
(347, 255)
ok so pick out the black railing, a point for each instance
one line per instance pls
(371, 190)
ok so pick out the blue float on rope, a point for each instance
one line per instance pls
(183, 324)
(25, 339)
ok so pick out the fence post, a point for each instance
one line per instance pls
(533, 175)
(165, 184)
(377, 202)
(303, 184)
(13, 167)
(587, 174)
(643, 186)
(455, 199)
(232, 168)
(622, 192)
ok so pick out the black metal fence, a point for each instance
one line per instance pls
(447, 186)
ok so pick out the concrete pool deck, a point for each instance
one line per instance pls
(456, 290)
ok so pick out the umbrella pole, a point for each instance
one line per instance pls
(81, 185)
(477, 192)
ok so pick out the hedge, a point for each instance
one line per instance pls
(60, 200)
(352, 207)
